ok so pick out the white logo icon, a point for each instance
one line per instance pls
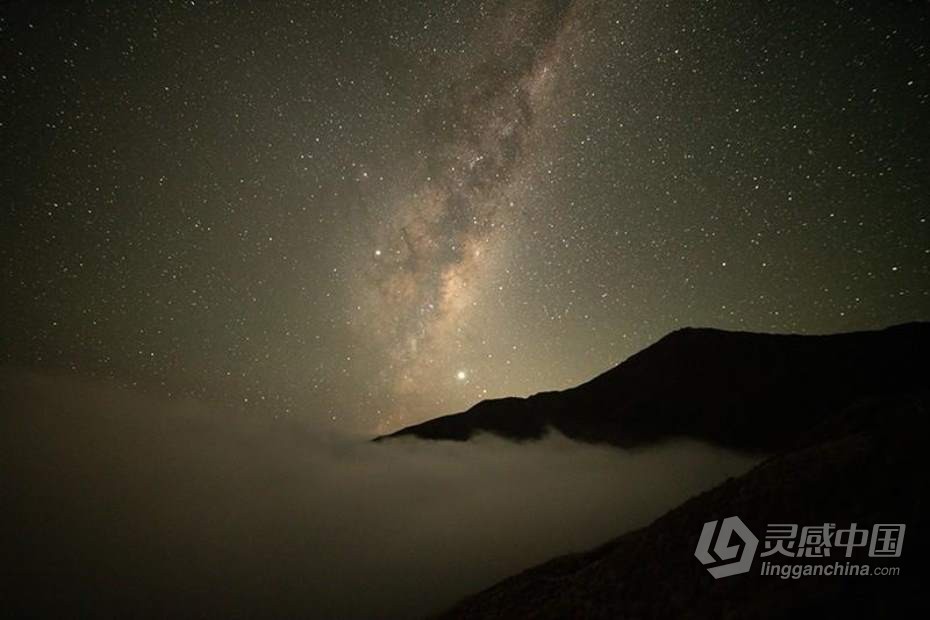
(726, 559)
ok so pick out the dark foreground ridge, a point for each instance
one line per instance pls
(738, 389)
(866, 465)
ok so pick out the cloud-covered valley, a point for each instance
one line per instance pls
(119, 502)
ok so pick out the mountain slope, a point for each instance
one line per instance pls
(744, 390)
(864, 466)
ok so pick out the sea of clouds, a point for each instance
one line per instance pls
(121, 503)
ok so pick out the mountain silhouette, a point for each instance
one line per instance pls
(865, 465)
(744, 390)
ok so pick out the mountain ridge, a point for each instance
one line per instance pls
(862, 465)
(711, 384)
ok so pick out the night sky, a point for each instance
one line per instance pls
(371, 214)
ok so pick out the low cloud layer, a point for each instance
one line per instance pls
(117, 501)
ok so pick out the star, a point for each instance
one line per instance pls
(494, 196)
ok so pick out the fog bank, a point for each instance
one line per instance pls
(119, 502)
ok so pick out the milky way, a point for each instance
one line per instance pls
(368, 214)
(436, 247)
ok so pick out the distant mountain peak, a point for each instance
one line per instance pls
(752, 391)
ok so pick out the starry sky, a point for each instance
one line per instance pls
(369, 214)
